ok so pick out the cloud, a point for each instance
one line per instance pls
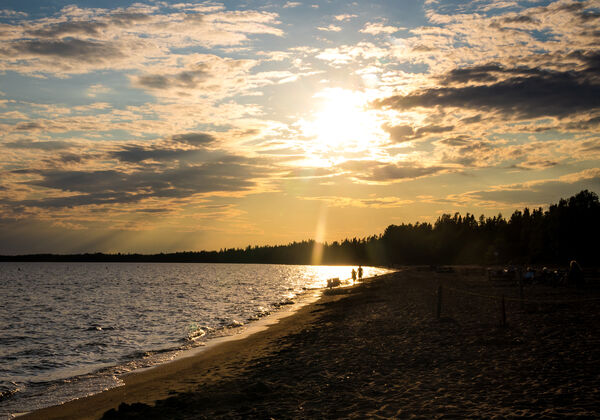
(229, 174)
(75, 49)
(305, 173)
(404, 133)
(12, 13)
(330, 28)
(371, 202)
(137, 154)
(39, 145)
(344, 17)
(82, 40)
(394, 172)
(377, 28)
(349, 53)
(381, 172)
(498, 5)
(96, 89)
(69, 28)
(532, 193)
(208, 76)
(541, 164)
(532, 94)
(194, 139)
(290, 4)
(202, 8)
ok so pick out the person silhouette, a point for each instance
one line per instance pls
(353, 275)
(360, 272)
(575, 275)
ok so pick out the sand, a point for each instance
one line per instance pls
(378, 350)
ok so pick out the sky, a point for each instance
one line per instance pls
(163, 126)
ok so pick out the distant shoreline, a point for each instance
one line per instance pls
(566, 231)
(149, 258)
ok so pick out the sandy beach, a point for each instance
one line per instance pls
(378, 350)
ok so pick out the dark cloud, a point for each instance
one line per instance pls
(479, 74)
(591, 145)
(194, 139)
(393, 172)
(71, 158)
(458, 141)
(29, 126)
(569, 7)
(184, 79)
(68, 28)
(432, 129)
(471, 120)
(153, 81)
(590, 124)
(519, 19)
(40, 145)
(227, 174)
(136, 154)
(530, 93)
(518, 22)
(70, 48)
(589, 16)
(402, 133)
(128, 18)
(87, 28)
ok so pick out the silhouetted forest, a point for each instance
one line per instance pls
(568, 230)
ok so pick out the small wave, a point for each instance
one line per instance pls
(197, 332)
(99, 328)
(7, 391)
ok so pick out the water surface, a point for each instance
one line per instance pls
(69, 329)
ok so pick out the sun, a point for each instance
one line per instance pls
(342, 122)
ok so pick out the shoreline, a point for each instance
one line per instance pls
(378, 350)
(136, 384)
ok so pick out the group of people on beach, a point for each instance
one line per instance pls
(360, 274)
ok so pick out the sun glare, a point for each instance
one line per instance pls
(342, 122)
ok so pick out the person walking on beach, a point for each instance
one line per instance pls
(353, 275)
(360, 271)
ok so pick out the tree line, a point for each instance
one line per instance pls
(567, 230)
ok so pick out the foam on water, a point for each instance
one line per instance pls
(70, 329)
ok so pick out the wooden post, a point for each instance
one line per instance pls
(439, 302)
(521, 293)
(503, 312)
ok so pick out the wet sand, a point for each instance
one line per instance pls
(377, 350)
